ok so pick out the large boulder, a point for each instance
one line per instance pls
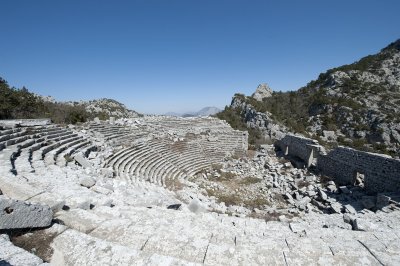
(15, 214)
(262, 91)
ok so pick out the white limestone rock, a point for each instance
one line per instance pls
(262, 91)
(196, 206)
(82, 161)
(350, 209)
(361, 224)
(88, 181)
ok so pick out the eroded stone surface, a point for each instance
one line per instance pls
(16, 214)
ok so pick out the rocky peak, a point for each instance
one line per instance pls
(262, 91)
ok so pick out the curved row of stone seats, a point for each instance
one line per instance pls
(51, 156)
(117, 157)
(144, 167)
(131, 164)
(187, 156)
(186, 162)
(163, 169)
(190, 124)
(23, 160)
(114, 157)
(192, 161)
(127, 139)
(163, 149)
(15, 144)
(53, 144)
(213, 152)
(190, 157)
(132, 155)
(9, 131)
(87, 149)
(140, 157)
(108, 130)
(114, 131)
(15, 138)
(64, 157)
(156, 169)
(135, 163)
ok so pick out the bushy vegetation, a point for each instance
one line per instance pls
(20, 103)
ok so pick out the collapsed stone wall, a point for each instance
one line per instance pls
(381, 172)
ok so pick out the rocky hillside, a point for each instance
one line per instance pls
(356, 105)
(21, 103)
(104, 108)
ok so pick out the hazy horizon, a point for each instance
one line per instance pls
(181, 56)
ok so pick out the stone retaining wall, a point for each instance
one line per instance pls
(381, 172)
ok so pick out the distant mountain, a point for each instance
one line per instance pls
(355, 105)
(172, 114)
(206, 111)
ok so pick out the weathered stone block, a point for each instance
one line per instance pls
(88, 182)
(15, 214)
(82, 161)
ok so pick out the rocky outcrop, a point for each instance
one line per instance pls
(262, 91)
(258, 120)
(106, 106)
(361, 100)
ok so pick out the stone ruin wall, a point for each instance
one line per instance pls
(381, 173)
(243, 143)
(303, 148)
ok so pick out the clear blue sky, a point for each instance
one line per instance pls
(159, 56)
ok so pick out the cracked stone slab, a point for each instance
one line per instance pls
(82, 161)
(80, 220)
(15, 214)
